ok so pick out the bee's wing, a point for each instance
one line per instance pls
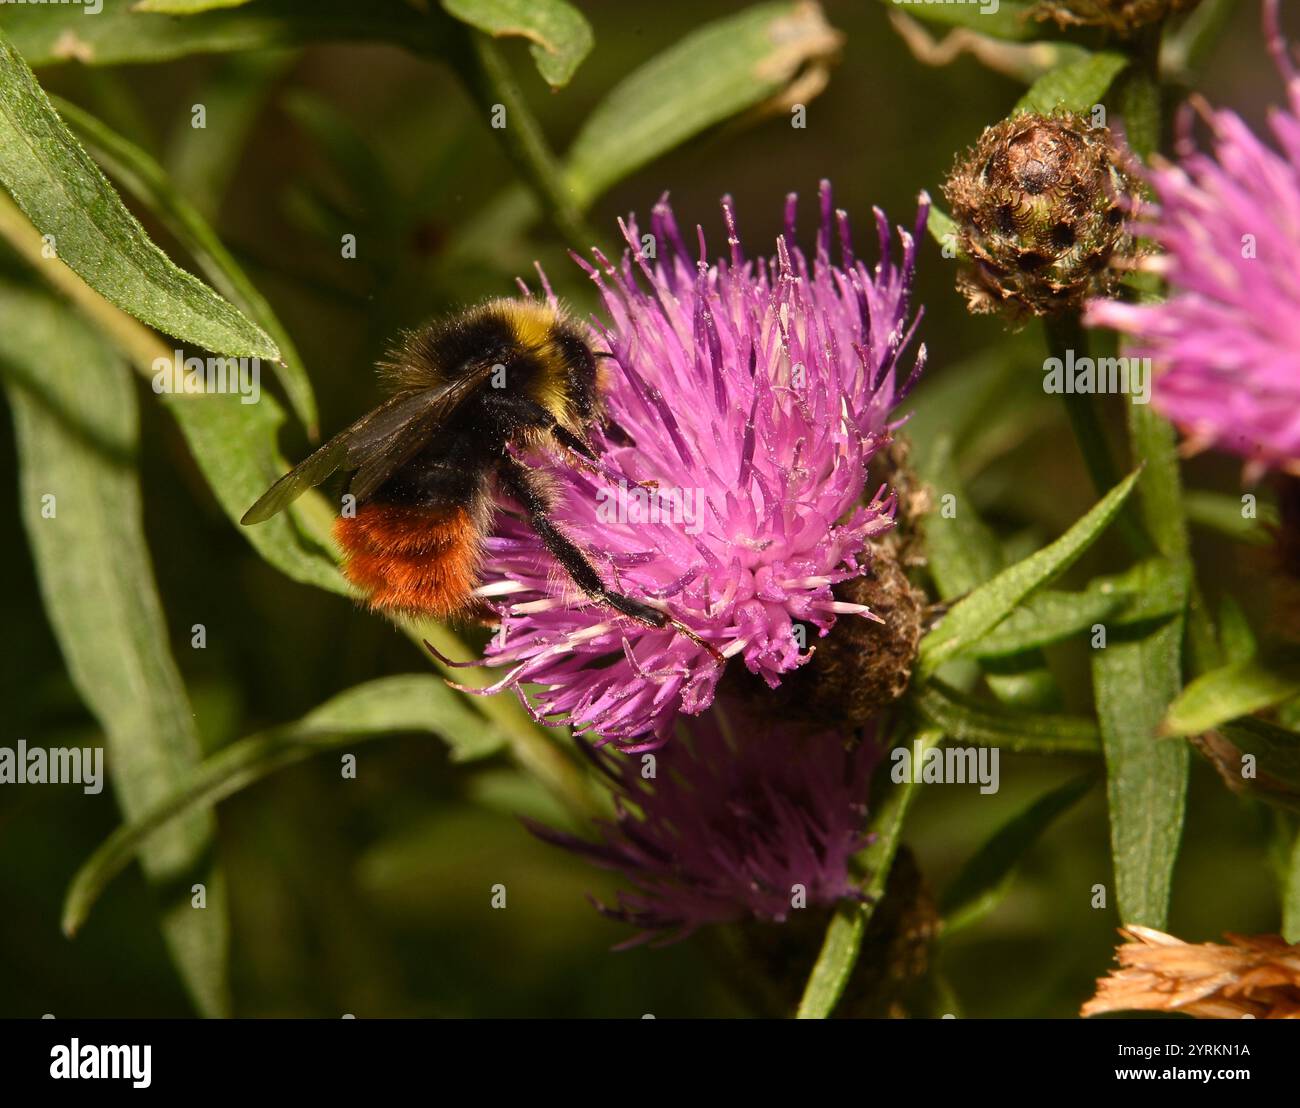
(375, 445)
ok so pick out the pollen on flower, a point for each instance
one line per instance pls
(745, 399)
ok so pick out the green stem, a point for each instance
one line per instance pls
(1065, 334)
(487, 74)
(843, 942)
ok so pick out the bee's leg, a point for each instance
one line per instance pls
(520, 483)
(523, 486)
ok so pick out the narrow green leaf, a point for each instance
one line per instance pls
(560, 34)
(85, 224)
(1237, 689)
(988, 605)
(986, 878)
(183, 7)
(839, 952)
(145, 179)
(724, 68)
(234, 445)
(388, 705)
(48, 34)
(1135, 677)
(76, 424)
(1050, 616)
(1150, 591)
(967, 719)
(963, 554)
(1236, 637)
(942, 228)
(1227, 515)
(1075, 87)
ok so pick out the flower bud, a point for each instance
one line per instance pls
(1121, 16)
(1041, 205)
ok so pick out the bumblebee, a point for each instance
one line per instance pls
(470, 394)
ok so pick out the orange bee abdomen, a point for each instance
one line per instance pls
(412, 559)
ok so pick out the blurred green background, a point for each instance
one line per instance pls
(373, 896)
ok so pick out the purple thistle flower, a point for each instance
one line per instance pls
(731, 826)
(1226, 344)
(745, 399)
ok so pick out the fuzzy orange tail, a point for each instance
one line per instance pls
(418, 560)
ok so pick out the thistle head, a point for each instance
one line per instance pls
(1041, 204)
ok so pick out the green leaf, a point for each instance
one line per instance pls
(1077, 87)
(1135, 677)
(986, 878)
(560, 34)
(1050, 616)
(1152, 590)
(967, 719)
(1006, 19)
(1234, 690)
(714, 73)
(67, 198)
(234, 445)
(1236, 638)
(118, 35)
(1225, 514)
(76, 424)
(942, 228)
(839, 952)
(982, 610)
(145, 179)
(183, 7)
(388, 705)
(962, 554)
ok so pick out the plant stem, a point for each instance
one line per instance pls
(843, 943)
(1065, 334)
(487, 74)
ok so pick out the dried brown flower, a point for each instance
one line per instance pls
(1251, 975)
